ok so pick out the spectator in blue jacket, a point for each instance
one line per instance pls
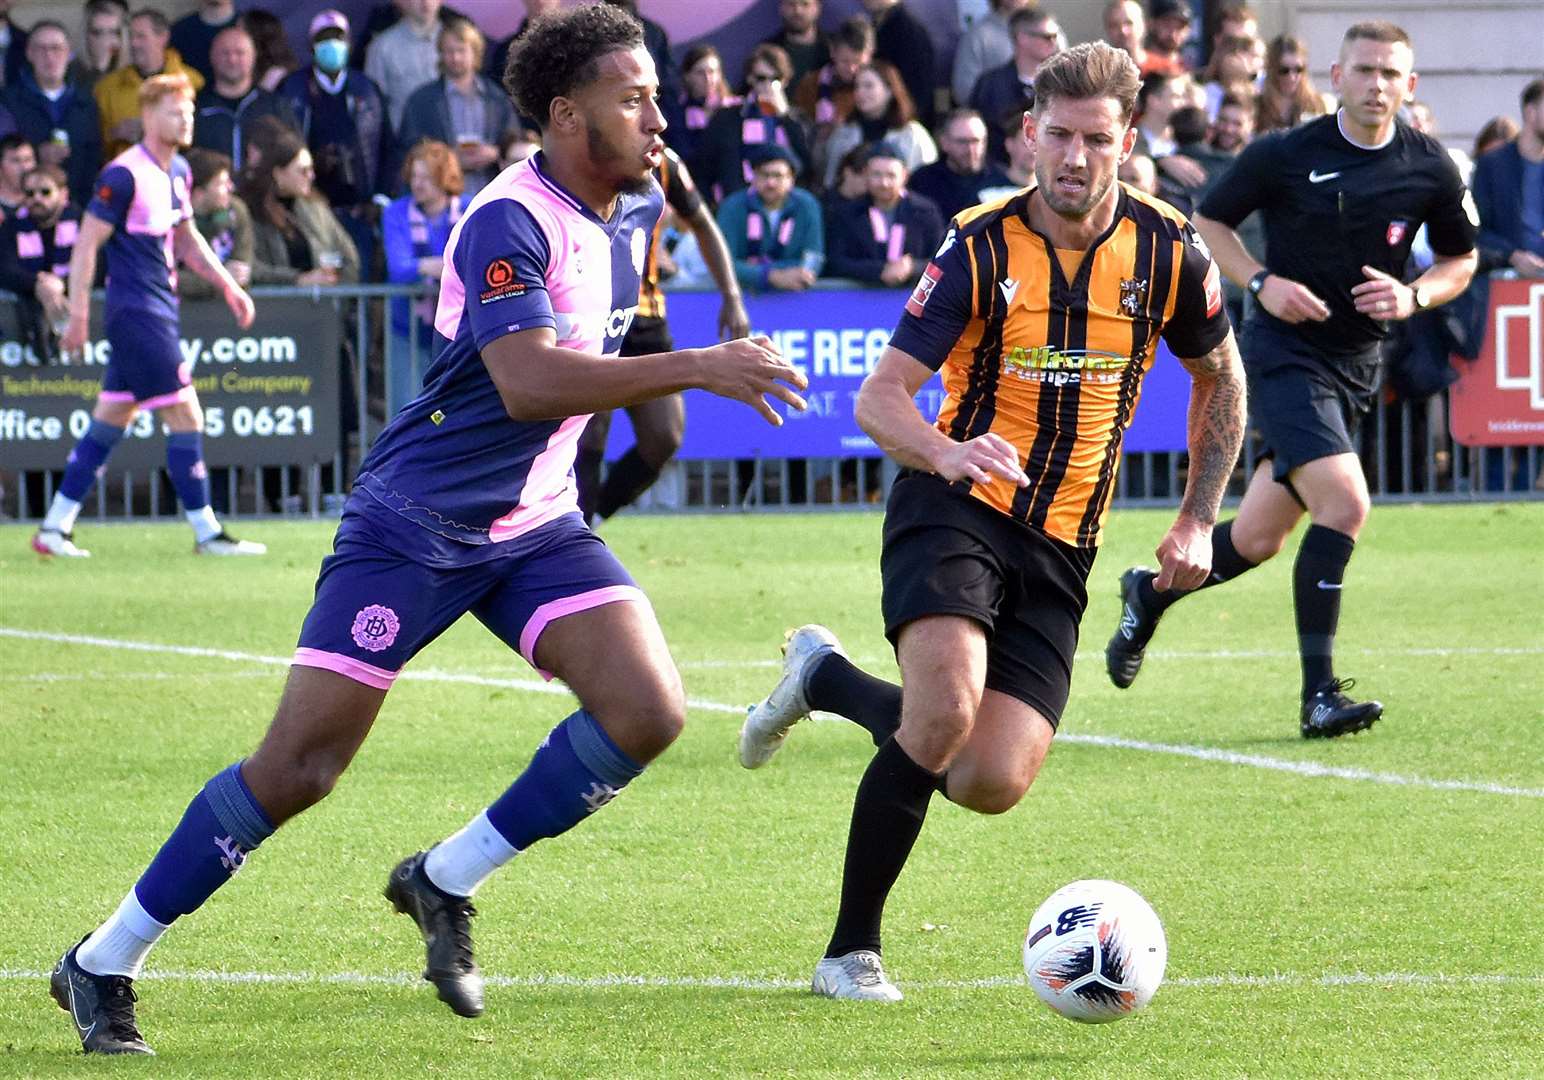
(1508, 191)
(53, 113)
(891, 234)
(461, 108)
(415, 229)
(773, 229)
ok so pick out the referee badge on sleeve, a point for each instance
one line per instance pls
(1396, 232)
(1213, 290)
(924, 289)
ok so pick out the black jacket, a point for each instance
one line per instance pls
(855, 250)
(79, 120)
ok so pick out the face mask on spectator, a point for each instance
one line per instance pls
(330, 55)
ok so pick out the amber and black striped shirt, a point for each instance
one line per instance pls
(1048, 348)
(682, 196)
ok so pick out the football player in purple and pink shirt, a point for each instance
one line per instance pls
(141, 216)
(466, 503)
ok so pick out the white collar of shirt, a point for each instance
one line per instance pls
(333, 84)
(54, 95)
(1340, 122)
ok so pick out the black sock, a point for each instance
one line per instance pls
(629, 477)
(1316, 580)
(587, 479)
(887, 817)
(1227, 564)
(836, 685)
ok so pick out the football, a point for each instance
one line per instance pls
(1095, 951)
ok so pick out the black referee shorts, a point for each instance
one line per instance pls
(1303, 412)
(945, 553)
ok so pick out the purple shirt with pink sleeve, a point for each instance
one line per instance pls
(143, 202)
(453, 464)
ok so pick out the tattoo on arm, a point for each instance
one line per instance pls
(1216, 427)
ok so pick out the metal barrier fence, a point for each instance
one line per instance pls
(1407, 450)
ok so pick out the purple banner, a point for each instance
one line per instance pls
(836, 338)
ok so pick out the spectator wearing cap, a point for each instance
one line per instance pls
(800, 36)
(773, 229)
(824, 97)
(405, 56)
(1168, 32)
(461, 108)
(222, 218)
(901, 40)
(193, 35)
(342, 117)
(117, 94)
(231, 101)
(704, 91)
(882, 110)
(1509, 193)
(1011, 86)
(35, 250)
(957, 179)
(722, 164)
(892, 233)
(986, 45)
(55, 114)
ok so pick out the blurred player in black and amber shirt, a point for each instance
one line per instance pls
(1043, 312)
(659, 424)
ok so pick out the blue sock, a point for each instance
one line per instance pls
(89, 455)
(185, 462)
(576, 770)
(220, 826)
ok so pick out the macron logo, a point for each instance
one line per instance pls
(1010, 289)
(1317, 177)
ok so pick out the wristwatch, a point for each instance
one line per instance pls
(1422, 295)
(1257, 282)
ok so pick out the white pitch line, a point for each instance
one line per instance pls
(740, 982)
(1202, 753)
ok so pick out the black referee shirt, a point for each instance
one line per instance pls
(1330, 207)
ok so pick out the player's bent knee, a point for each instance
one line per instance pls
(1258, 545)
(658, 446)
(995, 795)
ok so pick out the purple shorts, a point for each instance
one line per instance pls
(375, 609)
(146, 365)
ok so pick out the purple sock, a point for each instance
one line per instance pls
(185, 462)
(89, 455)
(576, 770)
(211, 842)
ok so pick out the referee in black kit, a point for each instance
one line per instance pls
(1342, 197)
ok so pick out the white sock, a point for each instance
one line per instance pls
(204, 523)
(461, 863)
(62, 513)
(119, 946)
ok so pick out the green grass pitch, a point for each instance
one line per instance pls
(1368, 907)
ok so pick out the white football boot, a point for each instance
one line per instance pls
(857, 976)
(55, 542)
(223, 543)
(767, 724)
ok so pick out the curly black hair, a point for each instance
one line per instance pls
(558, 53)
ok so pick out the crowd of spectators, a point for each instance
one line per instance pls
(837, 151)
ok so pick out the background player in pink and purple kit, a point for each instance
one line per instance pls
(466, 503)
(141, 213)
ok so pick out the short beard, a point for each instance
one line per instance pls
(605, 157)
(1076, 212)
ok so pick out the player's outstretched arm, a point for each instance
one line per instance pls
(887, 412)
(1216, 432)
(538, 380)
(93, 233)
(193, 251)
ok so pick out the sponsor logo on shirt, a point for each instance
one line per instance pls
(500, 279)
(925, 285)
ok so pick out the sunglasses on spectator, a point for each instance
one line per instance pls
(1290, 69)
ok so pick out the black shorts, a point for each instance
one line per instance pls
(1303, 412)
(946, 553)
(647, 336)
